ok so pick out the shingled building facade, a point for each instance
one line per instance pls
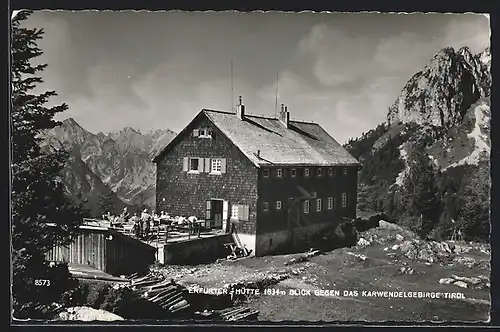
(274, 180)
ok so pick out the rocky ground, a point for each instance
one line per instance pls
(386, 258)
(87, 314)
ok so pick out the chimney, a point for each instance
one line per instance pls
(240, 110)
(285, 116)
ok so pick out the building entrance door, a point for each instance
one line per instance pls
(216, 212)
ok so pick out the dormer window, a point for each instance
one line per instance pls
(203, 133)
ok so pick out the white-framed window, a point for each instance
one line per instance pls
(319, 203)
(330, 171)
(345, 171)
(265, 206)
(216, 166)
(330, 203)
(306, 172)
(306, 206)
(234, 212)
(278, 205)
(293, 172)
(239, 212)
(344, 199)
(265, 172)
(279, 173)
(203, 133)
(319, 172)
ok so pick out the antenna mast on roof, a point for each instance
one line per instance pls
(276, 102)
(232, 88)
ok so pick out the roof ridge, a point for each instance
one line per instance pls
(217, 111)
(259, 116)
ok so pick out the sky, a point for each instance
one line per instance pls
(157, 70)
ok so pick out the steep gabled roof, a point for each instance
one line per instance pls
(266, 141)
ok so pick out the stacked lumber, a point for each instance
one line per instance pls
(239, 313)
(158, 289)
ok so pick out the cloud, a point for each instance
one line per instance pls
(474, 32)
(337, 57)
(403, 51)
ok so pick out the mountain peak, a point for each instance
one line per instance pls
(445, 52)
(442, 92)
(70, 121)
(464, 50)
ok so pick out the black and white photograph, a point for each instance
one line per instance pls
(228, 167)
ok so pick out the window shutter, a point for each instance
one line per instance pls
(200, 164)
(185, 164)
(223, 165)
(196, 133)
(208, 215)
(225, 209)
(207, 165)
(241, 215)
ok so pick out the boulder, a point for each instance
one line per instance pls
(406, 270)
(358, 256)
(406, 247)
(460, 283)
(446, 281)
(426, 255)
(469, 280)
(87, 314)
(466, 261)
(363, 243)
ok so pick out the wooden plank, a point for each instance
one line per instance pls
(178, 305)
(181, 308)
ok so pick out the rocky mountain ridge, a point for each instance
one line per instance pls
(119, 160)
(444, 112)
(441, 93)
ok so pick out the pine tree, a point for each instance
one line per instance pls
(474, 210)
(107, 203)
(41, 213)
(421, 192)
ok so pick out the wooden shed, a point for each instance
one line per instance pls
(106, 250)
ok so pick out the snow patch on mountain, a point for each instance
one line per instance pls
(481, 140)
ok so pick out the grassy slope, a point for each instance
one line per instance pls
(339, 270)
